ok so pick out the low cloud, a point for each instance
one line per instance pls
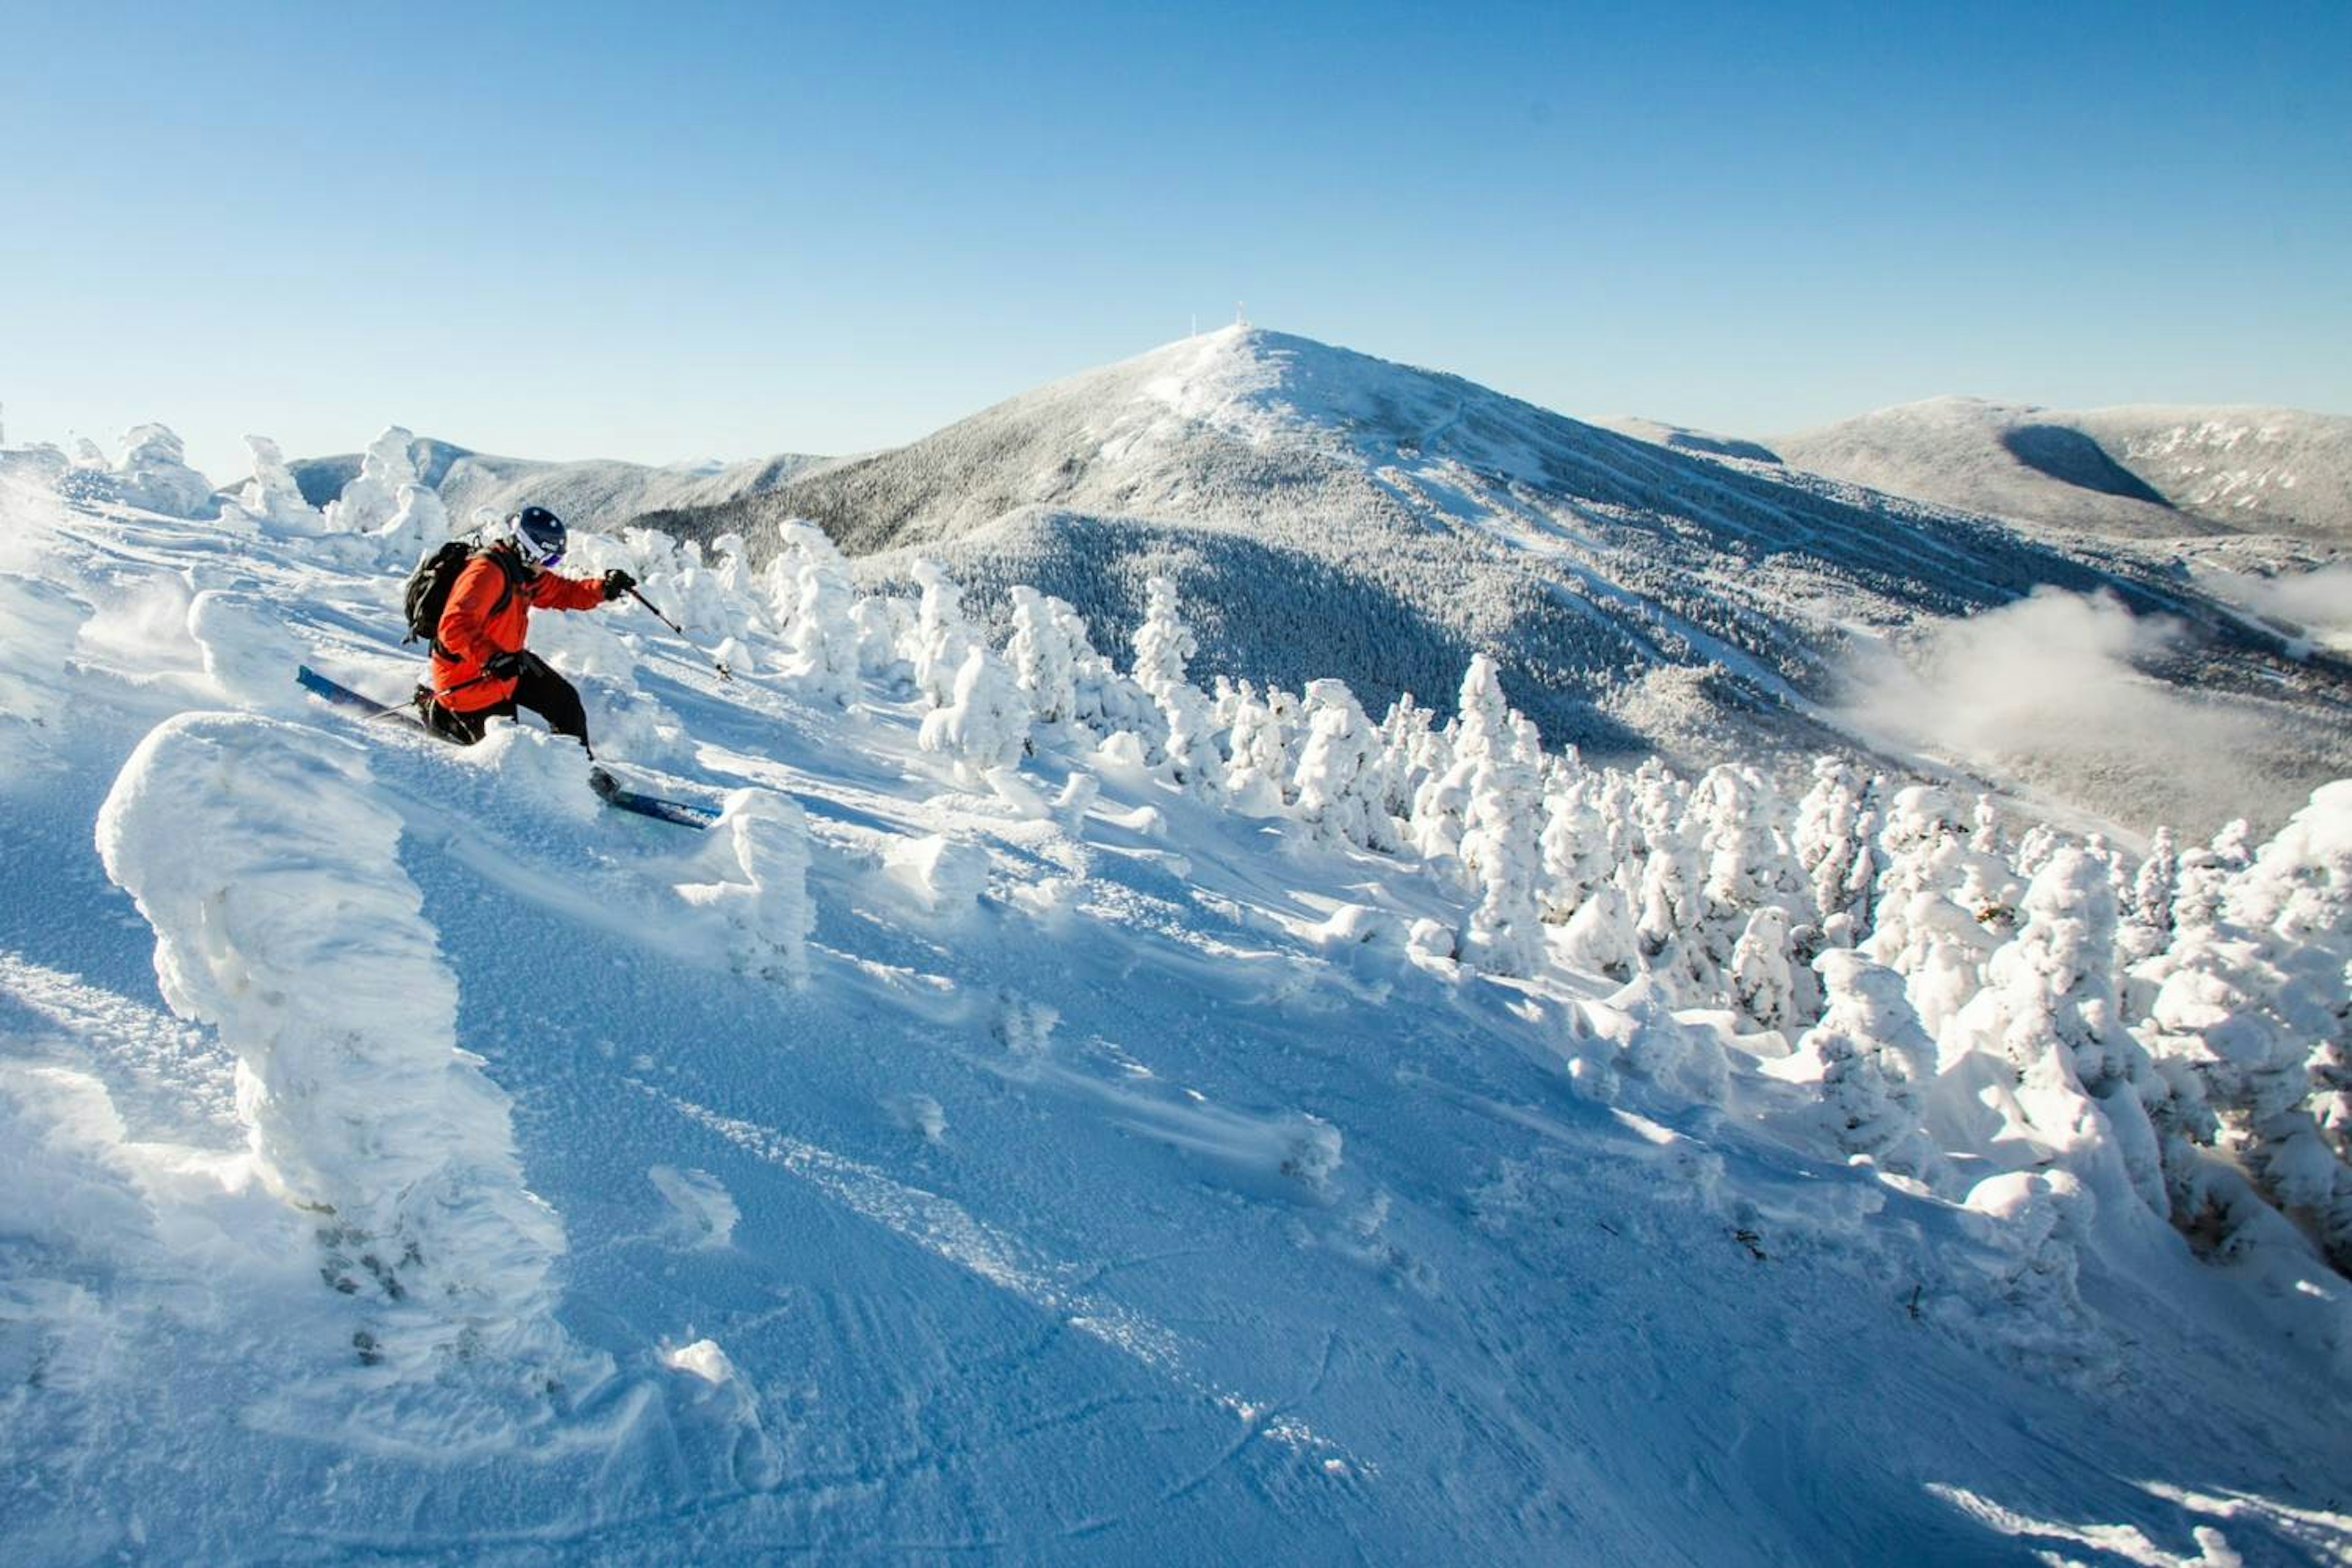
(2048, 694)
(2318, 603)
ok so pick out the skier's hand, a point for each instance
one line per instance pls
(504, 665)
(617, 582)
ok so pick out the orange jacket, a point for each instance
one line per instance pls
(474, 626)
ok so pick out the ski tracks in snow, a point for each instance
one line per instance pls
(946, 1229)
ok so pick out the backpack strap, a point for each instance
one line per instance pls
(509, 578)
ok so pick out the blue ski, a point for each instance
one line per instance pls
(608, 789)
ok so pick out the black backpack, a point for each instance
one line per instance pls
(428, 594)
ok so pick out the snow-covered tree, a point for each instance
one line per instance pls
(2049, 1008)
(372, 497)
(885, 624)
(1761, 987)
(825, 639)
(2035, 849)
(1258, 771)
(943, 639)
(986, 723)
(2148, 913)
(1600, 938)
(1941, 909)
(1109, 703)
(270, 501)
(1869, 1054)
(1163, 646)
(152, 472)
(1044, 664)
(1407, 748)
(1733, 818)
(1670, 915)
(1575, 843)
(1494, 776)
(1480, 741)
(1339, 780)
(420, 524)
(2204, 876)
(2255, 1002)
(1834, 847)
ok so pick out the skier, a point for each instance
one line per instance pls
(479, 665)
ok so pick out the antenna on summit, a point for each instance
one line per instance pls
(1240, 314)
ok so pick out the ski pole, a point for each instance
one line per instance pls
(718, 664)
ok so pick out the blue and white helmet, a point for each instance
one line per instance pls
(538, 535)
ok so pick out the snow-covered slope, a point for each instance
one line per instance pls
(1336, 513)
(1097, 1155)
(1683, 438)
(2149, 472)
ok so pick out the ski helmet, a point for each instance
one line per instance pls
(539, 534)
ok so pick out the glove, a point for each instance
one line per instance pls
(504, 665)
(617, 582)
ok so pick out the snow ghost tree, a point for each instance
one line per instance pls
(1162, 644)
(2049, 1007)
(1834, 846)
(1575, 845)
(373, 498)
(418, 524)
(271, 499)
(1481, 739)
(1869, 1054)
(1928, 927)
(1671, 911)
(1600, 936)
(1407, 743)
(1109, 703)
(884, 625)
(943, 638)
(985, 724)
(1044, 665)
(1761, 987)
(154, 473)
(1257, 775)
(1339, 779)
(826, 641)
(2257, 1001)
(2147, 912)
(1496, 753)
(1732, 820)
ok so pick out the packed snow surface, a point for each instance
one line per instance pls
(1061, 1112)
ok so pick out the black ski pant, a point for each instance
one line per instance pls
(538, 688)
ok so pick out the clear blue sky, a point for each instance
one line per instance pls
(674, 230)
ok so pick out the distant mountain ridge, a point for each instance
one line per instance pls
(2144, 472)
(1328, 513)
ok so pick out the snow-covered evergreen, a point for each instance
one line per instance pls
(942, 638)
(1339, 781)
(1869, 1053)
(1163, 646)
(373, 498)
